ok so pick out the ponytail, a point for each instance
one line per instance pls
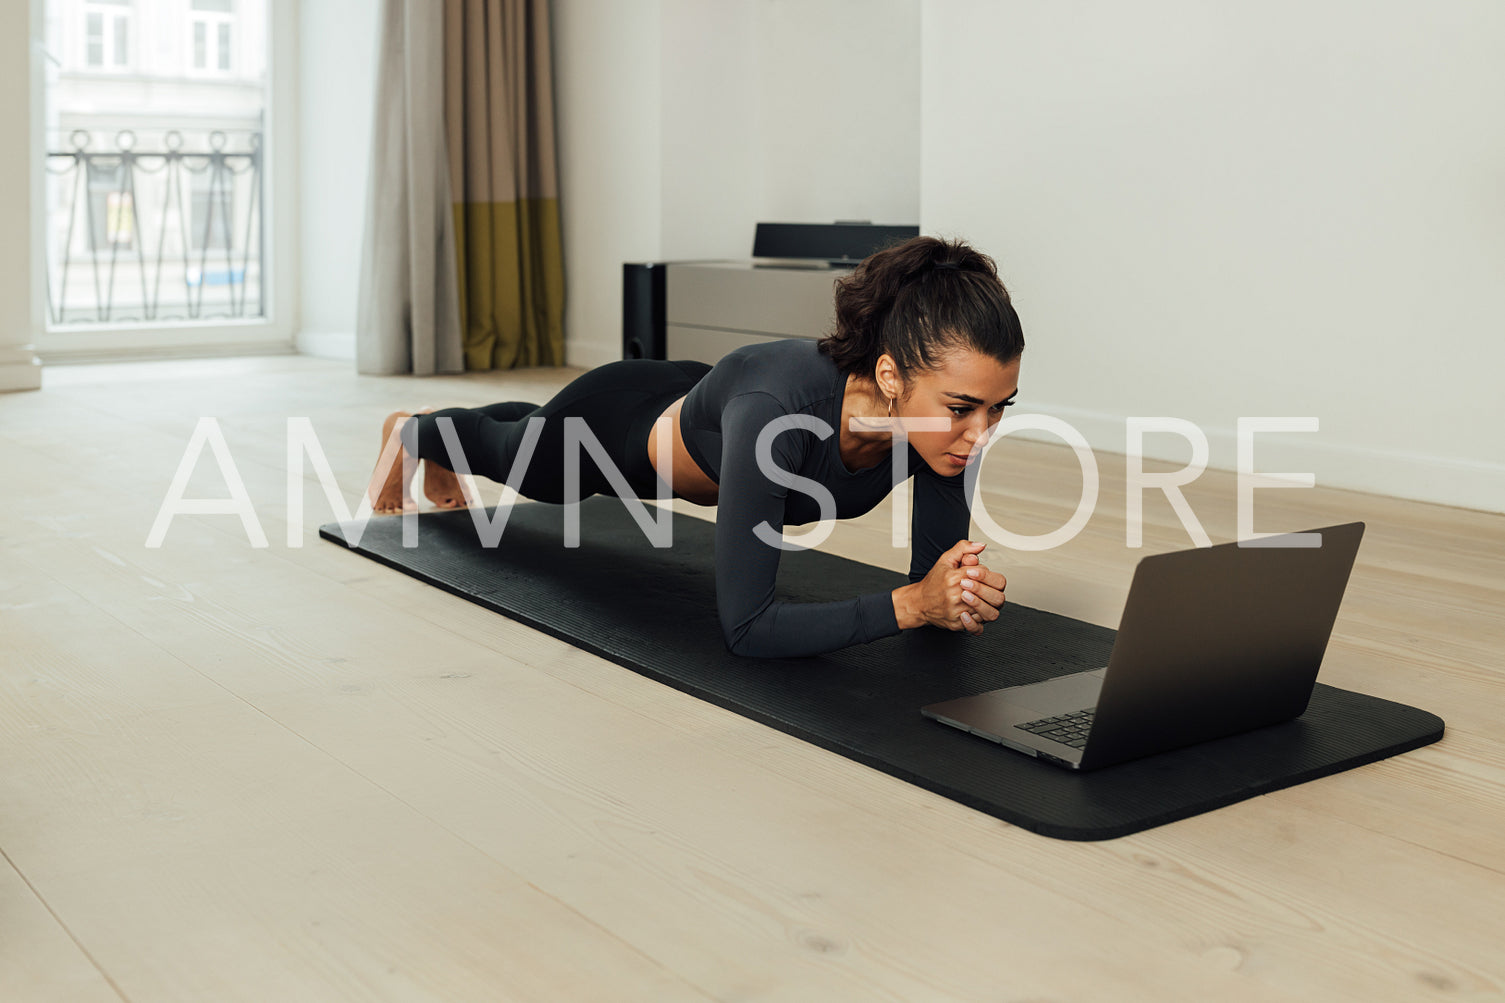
(918, 300)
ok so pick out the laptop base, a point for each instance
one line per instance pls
(997, 714)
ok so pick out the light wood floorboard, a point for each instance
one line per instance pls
(39, 960)
(291, 773)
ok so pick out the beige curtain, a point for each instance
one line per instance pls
(408, 317)
(499, 121)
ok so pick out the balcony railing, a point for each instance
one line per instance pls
(137, 236)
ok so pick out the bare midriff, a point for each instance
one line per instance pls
(690, 482)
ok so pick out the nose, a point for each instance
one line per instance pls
(978, 433)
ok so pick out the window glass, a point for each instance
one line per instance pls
(95, 32)
(156, 191)
(111, 215)
(211, 211)
(120, 218)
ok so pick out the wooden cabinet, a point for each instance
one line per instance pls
(713, 307)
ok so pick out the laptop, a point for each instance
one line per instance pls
(1213, 641)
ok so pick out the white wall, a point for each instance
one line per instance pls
(607, 98)
(1214, 210)
(337, 76)
(838, 111)
(20, 122)
(786, 110)
(710, 140)
(683, 123)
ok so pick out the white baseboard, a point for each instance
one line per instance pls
(1458, 481)
(590, 354)
(327, 344)
(341, 345)
(20, 369)
(92, 356)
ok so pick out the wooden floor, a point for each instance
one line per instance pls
(288, 773)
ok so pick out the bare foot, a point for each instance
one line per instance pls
(440, 485)
(390, 495)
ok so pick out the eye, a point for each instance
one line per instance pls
(960, 412)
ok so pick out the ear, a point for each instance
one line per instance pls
(886, 375)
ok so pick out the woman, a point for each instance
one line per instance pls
(924, 329)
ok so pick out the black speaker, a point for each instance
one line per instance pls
(838, 243)
(643, 334)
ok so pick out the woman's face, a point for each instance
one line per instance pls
(971, 390)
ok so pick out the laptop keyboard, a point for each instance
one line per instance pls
(1068, 729)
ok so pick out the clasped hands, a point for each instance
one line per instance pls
(958, 593)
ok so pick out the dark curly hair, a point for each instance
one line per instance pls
(917, 301)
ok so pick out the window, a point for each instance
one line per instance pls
(107, 34)
(157, 190)
(212, 24)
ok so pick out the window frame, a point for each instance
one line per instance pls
(275, 330)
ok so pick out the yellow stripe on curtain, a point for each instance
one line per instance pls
(511, 266)
(499, 123)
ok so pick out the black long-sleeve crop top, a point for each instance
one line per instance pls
(721, 419)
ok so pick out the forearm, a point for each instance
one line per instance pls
(791, 630)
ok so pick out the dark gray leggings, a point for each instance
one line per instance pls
(618, 401)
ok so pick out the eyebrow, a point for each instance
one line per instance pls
(973, 400)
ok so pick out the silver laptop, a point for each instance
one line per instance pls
(1213, 641)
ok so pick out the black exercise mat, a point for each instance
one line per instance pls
(654, 612)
